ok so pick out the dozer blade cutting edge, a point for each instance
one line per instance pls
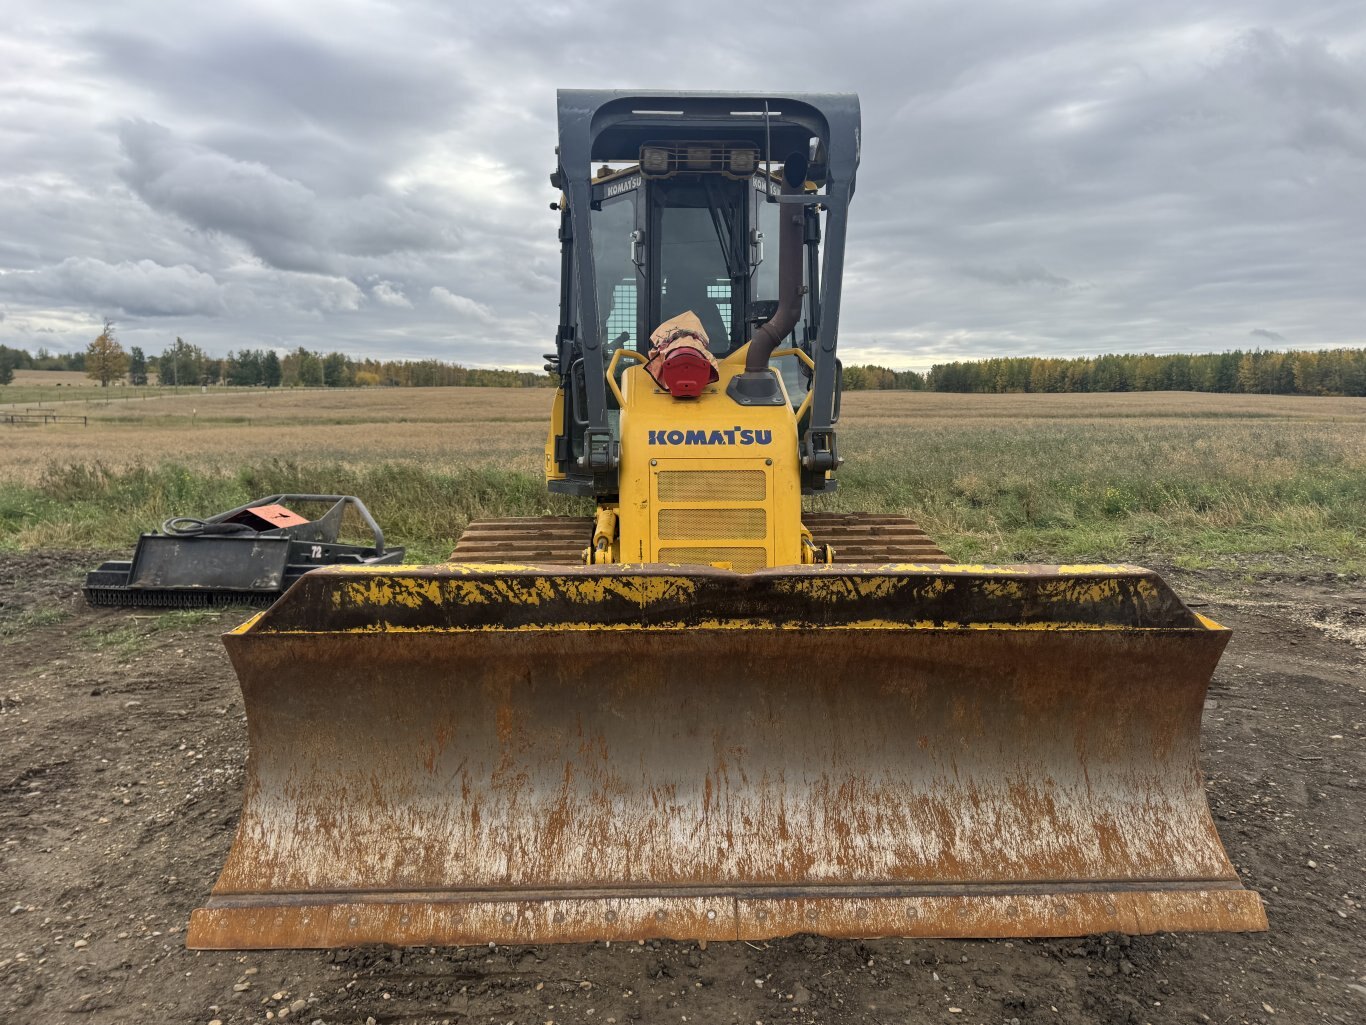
(472, 753)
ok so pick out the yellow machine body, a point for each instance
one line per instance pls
(552, 468)
(708, 482)
(701, 712)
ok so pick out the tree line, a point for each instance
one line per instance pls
(1321, 372)
(183, 363)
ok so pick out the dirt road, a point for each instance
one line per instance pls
(121, 749)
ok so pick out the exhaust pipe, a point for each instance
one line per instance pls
(757, 385)
(771, 333)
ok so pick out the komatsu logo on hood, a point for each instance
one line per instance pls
(732, 436)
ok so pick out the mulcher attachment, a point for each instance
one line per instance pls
(248, 555)
(462, 754)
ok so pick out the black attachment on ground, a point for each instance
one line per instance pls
(248, 555)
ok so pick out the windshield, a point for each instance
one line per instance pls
(702, 252)
(694, 272)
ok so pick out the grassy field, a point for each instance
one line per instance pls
(1255, 482)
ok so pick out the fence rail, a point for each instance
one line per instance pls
(44, 418)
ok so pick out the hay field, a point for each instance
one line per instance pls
(352, 427)
(55, 387)
(1256, 482)
(53, 381)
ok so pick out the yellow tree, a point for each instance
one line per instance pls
(105, 359)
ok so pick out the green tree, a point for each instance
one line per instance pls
(310, 368)
(182, 363)
(105, 359)
(855, 378)
(17, 359)
(270, 369)
(337, 371)
(244, 369)
(137, 366)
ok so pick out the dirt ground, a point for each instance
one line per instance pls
(121, 749)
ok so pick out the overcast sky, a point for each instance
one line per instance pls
(1040, 178)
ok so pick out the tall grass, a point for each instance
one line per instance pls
(1193, 493)
(89, 505)
(1193, 480)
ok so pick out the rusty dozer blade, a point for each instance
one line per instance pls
(472, 753)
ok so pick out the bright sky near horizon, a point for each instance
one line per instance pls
(1037, 179)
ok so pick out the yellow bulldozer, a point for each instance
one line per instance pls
(706, 712)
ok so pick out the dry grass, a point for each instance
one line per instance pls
(444, 427)
(51, 379)
(861, 407)
(66, 388)
(437, 427)
(1190, 477)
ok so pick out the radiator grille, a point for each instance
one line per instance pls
(711, 486)
(742, 560)
(705, 524)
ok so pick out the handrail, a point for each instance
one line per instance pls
(803, 357)
(612, 372)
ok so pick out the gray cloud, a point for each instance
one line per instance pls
(141, 289)
(460, 303)
(1020, 274)
(388, 294)
(282, 221)
(1042, 179)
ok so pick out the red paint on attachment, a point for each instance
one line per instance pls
(268, 517)
(684, 372)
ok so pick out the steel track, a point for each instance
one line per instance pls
(561, 540)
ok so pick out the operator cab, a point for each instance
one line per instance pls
(679, 210)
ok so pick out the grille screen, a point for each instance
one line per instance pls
(705, 524)
(711, 486)
(742, 560)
